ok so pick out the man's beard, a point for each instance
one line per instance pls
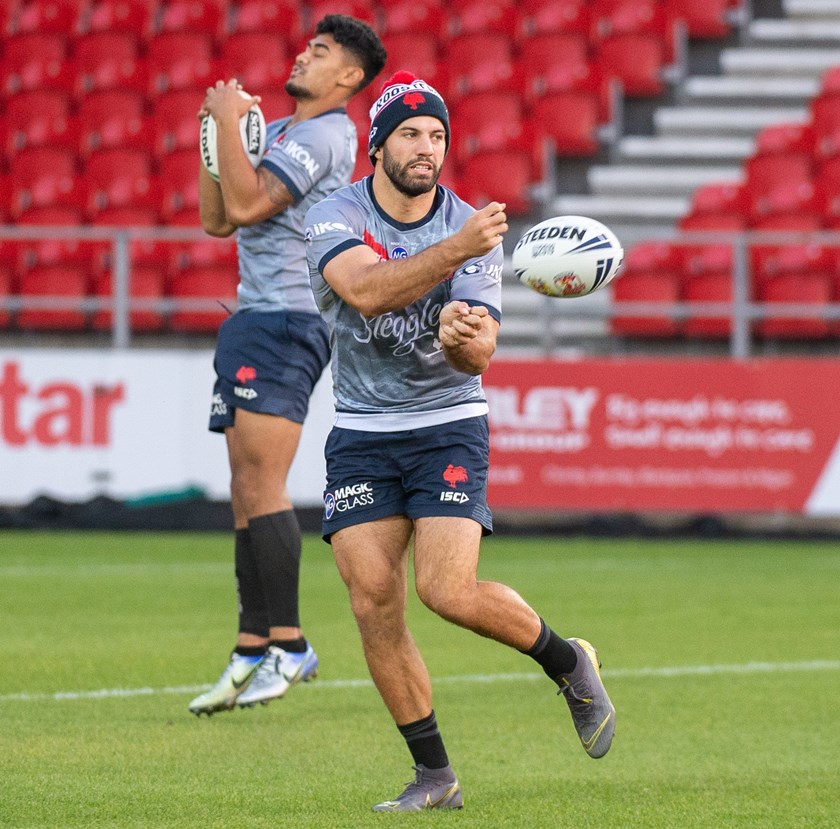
(297, 92)
(400, 177)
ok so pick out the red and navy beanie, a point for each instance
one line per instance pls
(403, 96)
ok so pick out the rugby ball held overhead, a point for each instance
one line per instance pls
(252, 130)
(567, 256)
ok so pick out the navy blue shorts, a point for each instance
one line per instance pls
(267, 362)
(439, 470)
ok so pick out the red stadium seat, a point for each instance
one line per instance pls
(733, 221)
(35, 61)
(571, 119)
(5, 200)
(179, 183)
(38, 119)
(210, 252)
(174, 121)
(132, 16)
(120, 177)
(126, 217)
(276, 104)
(111, 119)
(186, 217)
(142, 252)
(66, 283)
(108, 60)
(618, 17)
(358, 108)
(480, 62)
(258, 60)
(651, 257)
(215, 285)
(281, 17)
(708, 287)
(799, 220)
(772, 261)
(805, 288)
(790, 137)
(42, 177)
(417, 52)
(707, 20)
(8, 16)
(825, 123)
(766, 170)
(552, 61)
(827, 179)
(69, 216)
(477, 16)
(146, 282)
(538, 17)
(410, 17)
(504, 176)
(62, 16)
(67, 252)
(636, 59)
(716, 197)
(488, 121)
(701, 260)
(208, 17)
(362, 9)
(362, 167)
(652, 287)
(180, 60)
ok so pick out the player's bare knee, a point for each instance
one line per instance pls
(375, 600)
(450, 600)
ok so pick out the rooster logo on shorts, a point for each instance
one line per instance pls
(246, 373)
(454, 475)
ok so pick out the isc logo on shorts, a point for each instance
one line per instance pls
(248, 394)
(454, 497)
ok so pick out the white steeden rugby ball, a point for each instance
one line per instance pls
(252, 130)
(567, 256)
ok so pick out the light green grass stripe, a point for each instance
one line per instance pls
(326, 685)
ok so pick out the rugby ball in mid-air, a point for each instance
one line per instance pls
(567, 256)
(252, 130)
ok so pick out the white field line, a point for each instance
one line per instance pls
(331, 684)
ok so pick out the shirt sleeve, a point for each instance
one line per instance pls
(302, 156)
(331, 226)
(479, 282)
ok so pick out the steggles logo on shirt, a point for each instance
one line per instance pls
(402, 331)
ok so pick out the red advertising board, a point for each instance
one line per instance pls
(669, 435)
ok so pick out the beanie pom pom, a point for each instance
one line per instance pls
(401, 77)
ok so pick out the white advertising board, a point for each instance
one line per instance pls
(79, 423)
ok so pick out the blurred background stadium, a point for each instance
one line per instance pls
(706, 135)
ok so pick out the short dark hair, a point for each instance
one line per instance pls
(357, 37)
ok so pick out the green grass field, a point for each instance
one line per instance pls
(722, 658)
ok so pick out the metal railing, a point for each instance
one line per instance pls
(742, 311)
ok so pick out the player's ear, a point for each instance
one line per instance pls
(352, 77)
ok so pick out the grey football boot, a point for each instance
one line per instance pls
(430, 789)
(592, 712)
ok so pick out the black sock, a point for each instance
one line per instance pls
(290, 645)
(275, 540)
(555, 655)
(249, 650)
(253, 613)
(425, 743)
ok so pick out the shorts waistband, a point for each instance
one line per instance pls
(404, 421)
